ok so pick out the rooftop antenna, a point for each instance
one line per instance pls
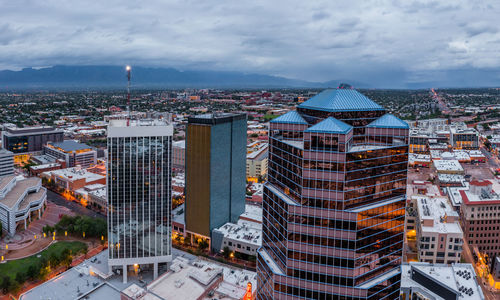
(128, 68)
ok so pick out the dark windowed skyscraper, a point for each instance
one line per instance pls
(139, 191)
(215, 172)
(333, 208)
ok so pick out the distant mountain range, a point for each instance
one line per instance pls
(110, 77)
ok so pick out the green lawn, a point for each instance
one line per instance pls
(12, 267)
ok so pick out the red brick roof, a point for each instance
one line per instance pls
(480, 182)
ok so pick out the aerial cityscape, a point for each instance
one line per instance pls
(225, 151)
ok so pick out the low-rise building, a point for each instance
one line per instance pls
(38, 169)
(29, 139)
(425, 281)
(480, 217)
(419, 160)
(178, 223)
(439, 235)
(463, 137)
(97, 199)
(257, 162)
(72, 179)
(179, 155)
(72, 152)
(244, 237)
(93, 196)
(19, 200)
(451, 166)
(195, 279)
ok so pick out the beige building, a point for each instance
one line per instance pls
(257, 161)
(439, 235)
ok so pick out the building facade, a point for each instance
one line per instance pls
(334, 203)
(29, 139)
(215, 172)
(179, 155)
(257, 162)
(438, 232)
(6, 162)
(20, 200)
(480, 217)
(139, 193)
(72, 152)
(72, 179)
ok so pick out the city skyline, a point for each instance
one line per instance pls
(384, 44)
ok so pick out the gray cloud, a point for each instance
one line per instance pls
(371, 41)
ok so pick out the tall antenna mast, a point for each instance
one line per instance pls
(128, 68)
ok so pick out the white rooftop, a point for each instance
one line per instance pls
(243, 231)
(75, 174)
(252, 212)
(190, 279)
(454, 194)
(460, 278)
(448, 165)
(437, 209)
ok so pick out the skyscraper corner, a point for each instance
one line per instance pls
(334, 203)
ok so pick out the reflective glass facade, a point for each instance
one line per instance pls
(333, 209)
(139, 197)
(215, 171)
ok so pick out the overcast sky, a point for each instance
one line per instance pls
(371, 41)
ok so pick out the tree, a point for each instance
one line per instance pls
(33, 271)
(20, 277)
(54, 260)
(5, 284)
(203, 244)
(226, 252)
(66, 258)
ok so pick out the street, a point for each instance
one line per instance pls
(492, 160)
(467, 255)
(77, 208)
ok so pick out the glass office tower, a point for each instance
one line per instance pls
(215, 172)
(333, 208)
(139, 193)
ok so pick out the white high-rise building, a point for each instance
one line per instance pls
(139, 194)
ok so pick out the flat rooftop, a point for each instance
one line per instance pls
(456, 277)
(216, 118)
(20, 187)
(437, 209)
(243, 231)
(185, 280)
(75, 173)
(253, 213)
(30, 130)
(179, 144)
(448, 165)
(69, 146)
(4, 151)
(71, 284)
(178, 214)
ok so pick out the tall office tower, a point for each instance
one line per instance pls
(139, 193)
(333, 207)
(215, 172)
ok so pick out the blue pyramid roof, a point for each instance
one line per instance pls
(330, 125)
(389, 121)
(291, 117)
(341, 99)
